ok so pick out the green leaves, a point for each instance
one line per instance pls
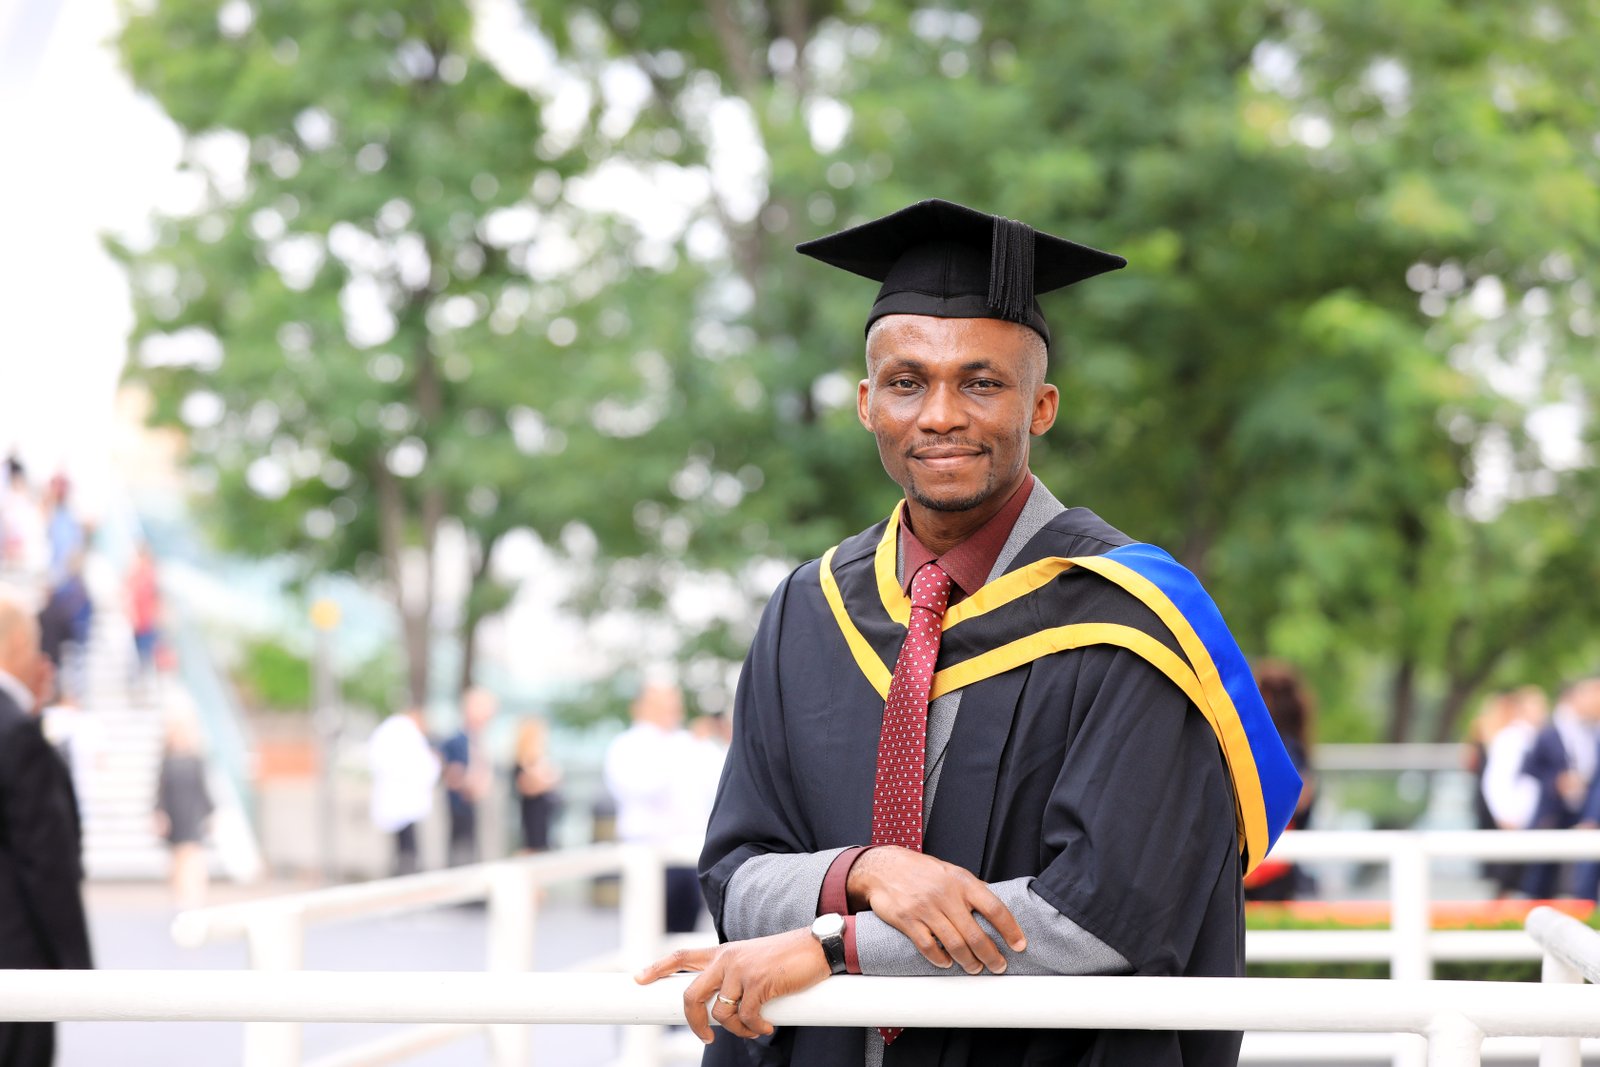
(1358, 235)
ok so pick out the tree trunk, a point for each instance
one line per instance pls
(474, 615)
(1455, 701)
(1403, 699)
(413, 615)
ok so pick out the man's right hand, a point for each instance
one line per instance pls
(932, 902)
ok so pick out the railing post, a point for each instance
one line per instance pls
(1408, 926)
(1408, 910)
(513, 907)
(1454, 1041)
(1559, 1051)
(276, 940)
(643, 909)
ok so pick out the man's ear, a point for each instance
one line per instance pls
(863, 395)
(1046, 402)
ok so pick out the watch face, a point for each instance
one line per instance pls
(830, 925)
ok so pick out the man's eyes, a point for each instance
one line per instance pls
(980, 384)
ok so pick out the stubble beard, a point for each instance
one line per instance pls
(964, 503)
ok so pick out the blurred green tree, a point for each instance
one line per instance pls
(1355, 285)
(337, 316)
(1359, 240)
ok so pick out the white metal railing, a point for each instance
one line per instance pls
(1571, 954)
(1409, 944)
(1452, 1017)
(275, 928)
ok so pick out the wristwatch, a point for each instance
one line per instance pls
(829, 932)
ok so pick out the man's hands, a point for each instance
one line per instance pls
(932, 903)
(747, 973)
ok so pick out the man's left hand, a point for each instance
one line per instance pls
(742, 976)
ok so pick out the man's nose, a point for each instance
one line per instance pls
(942, 410)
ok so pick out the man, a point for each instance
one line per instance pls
(645, 773)
(41, 910)
(404, 772)
(1562, 761)
(468, 777)
(1067, 802)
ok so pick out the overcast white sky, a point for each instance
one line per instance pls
(79, 154)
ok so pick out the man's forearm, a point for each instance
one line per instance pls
(775, 892)
(1056, 944)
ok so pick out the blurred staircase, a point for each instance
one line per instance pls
(115, 746)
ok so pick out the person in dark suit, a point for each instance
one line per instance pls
(42, 922)
(1563, 762)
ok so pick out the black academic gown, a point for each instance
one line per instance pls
(1087, 769)
(42, 923)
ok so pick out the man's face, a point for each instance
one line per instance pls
(952, 403)
(1585, 700)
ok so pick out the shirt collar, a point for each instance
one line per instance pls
(13, 687)
(968, 564)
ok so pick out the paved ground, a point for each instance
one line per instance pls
(129, 926)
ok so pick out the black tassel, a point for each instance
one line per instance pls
(1011, 269)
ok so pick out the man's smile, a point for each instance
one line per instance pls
(942, 457)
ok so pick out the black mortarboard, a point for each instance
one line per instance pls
(942, 259)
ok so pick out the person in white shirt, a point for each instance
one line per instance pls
(1511, 795)
(657, 804)
(404, 771)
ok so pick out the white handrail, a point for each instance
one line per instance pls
(1439, 844)
(1147, 1003)
(1577, 945)
(432, 889)
(275, 927)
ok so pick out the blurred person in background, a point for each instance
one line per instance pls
(1510, 722)
(646, 772)
(405, 771)
(24, 546)
(42, 924)
(711, 736)
(1492, 716)
(1293, 711)
(534, 781)
(63, 530)
(64, 627)
(468, 774)
(144, 615)
(1586, 875)
(1562, 762)
(183, 810)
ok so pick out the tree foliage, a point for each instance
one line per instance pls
(1344, 377)
(340, 314)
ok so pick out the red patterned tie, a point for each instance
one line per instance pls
(903, 740)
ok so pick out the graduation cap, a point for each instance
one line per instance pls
(943, 259)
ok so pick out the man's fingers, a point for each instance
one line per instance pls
(981, 944)
(685, 959)
(726, 1007)
(750, 1011)
(955, 943)
(991, 907)
(928, 945)
(694, 1001)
